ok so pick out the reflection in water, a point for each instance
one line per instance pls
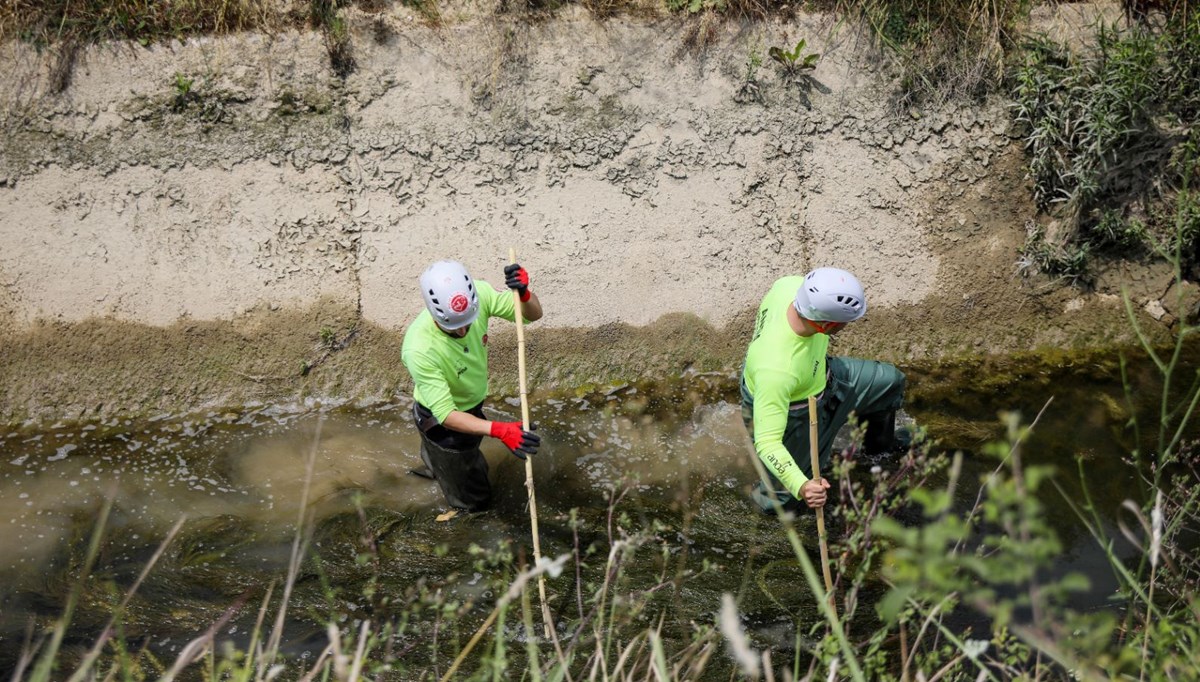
(238, 477)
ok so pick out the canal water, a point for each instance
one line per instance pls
(668, 462)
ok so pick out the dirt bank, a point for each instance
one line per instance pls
(227, 220)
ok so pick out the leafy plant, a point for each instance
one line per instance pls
(1115, 231)
(1039, 254)
(753, 64)
(328, 337)
(184, 94)
(696, 6)
(794, 59)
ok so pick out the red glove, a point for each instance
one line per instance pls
(517, 277)
(521, 442)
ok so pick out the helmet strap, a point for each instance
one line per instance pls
(826, 327)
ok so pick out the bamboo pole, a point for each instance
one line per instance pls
(533, 518)
(814, 449)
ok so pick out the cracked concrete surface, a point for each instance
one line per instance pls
(613, 165)
(632, 176)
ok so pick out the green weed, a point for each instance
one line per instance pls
(184, 95)
(328, 337)
(750, 90)
(324, 16)
(942, 51)
(696, 6)
(794, 60)
(1071, 261)
(1110, 136)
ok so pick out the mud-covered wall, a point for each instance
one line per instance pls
(612, 159)
(229, 220)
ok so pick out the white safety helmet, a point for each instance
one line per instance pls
(831, 295)
(449, 294)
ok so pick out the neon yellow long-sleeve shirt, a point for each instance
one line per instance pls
(450, 373)
(781, 368)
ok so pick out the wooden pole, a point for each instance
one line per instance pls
(814, 449)
(533, 519)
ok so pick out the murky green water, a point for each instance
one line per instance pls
(674, 454)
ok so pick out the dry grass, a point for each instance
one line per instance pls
(46, 22)
(943, 48)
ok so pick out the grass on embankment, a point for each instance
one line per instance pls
(943, 49)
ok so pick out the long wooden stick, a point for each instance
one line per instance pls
(533, 519)
(814, 449)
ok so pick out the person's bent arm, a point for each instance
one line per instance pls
(780, 463)
(516, 278)
(515, 438)
(770, 422)
(531, 310)
(464, 422)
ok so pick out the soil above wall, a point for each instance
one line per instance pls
(228, 221)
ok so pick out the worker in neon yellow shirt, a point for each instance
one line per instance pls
(445, 351)
(787, 362)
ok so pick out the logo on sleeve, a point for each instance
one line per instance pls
(758, 324)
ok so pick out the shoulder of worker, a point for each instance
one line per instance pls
(420, 336)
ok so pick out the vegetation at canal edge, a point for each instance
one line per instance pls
(936, 564)
(908, 564)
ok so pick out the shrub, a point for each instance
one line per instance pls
(1111, 136)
